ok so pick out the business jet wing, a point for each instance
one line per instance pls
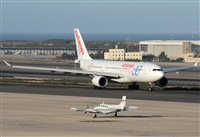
(112, 75)
(76, 109)
(179, 68)
(85, 111)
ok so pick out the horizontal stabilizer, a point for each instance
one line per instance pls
(130, 108)
(133, 107)
(7, 63)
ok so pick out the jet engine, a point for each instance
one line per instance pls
(162, 82)
(100, 81)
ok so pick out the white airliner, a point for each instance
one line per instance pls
(101, 72)
(107, 109)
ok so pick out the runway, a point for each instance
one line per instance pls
(34, 110)
(160, 95)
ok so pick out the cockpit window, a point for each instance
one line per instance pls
(157, 69)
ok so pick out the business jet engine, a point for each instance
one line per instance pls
(100, 81)
(162, 82)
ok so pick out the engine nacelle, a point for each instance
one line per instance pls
(100, 81)
(162, 82)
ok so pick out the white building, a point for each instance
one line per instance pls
(120, 54)
(170, 47)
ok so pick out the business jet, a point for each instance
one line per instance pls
(107, 109)
(102, 72)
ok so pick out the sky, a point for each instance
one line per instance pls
(100, 16)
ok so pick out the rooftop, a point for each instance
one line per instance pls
(168, 42)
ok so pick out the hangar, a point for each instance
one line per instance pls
(170, 47)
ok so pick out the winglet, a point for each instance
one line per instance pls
(133, 107)
(7, 63)
(196, 64)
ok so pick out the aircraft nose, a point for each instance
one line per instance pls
(160, 74)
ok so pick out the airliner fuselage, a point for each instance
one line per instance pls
(131, 71)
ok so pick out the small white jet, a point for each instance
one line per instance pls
(102, 72)
(107, 109)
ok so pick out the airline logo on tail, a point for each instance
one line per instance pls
(79, 42)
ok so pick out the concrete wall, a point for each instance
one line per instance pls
(168, 49)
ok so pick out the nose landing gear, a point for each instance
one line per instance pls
(151, 88)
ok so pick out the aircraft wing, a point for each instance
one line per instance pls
(112, 75)
(130, 108)
(85, 111)
(76, 109)
(179, 68)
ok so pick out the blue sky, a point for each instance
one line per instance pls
(51, 16)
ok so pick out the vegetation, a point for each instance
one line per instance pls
(163, 57)
(178, 60)
(197, 54)
(65, 56)
(99, 55)
(149, 57)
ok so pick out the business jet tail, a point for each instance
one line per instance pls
(82, 52)
(122, 104)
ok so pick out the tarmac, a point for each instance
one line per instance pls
(31, 110)
(44, 110)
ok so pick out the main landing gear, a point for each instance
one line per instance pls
(94, 115)
(115, 114)
(134, 86)
(102, 88)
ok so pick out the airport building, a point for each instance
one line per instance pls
(133, 55)
(173, 48)
(42, 51)
(120, 54)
